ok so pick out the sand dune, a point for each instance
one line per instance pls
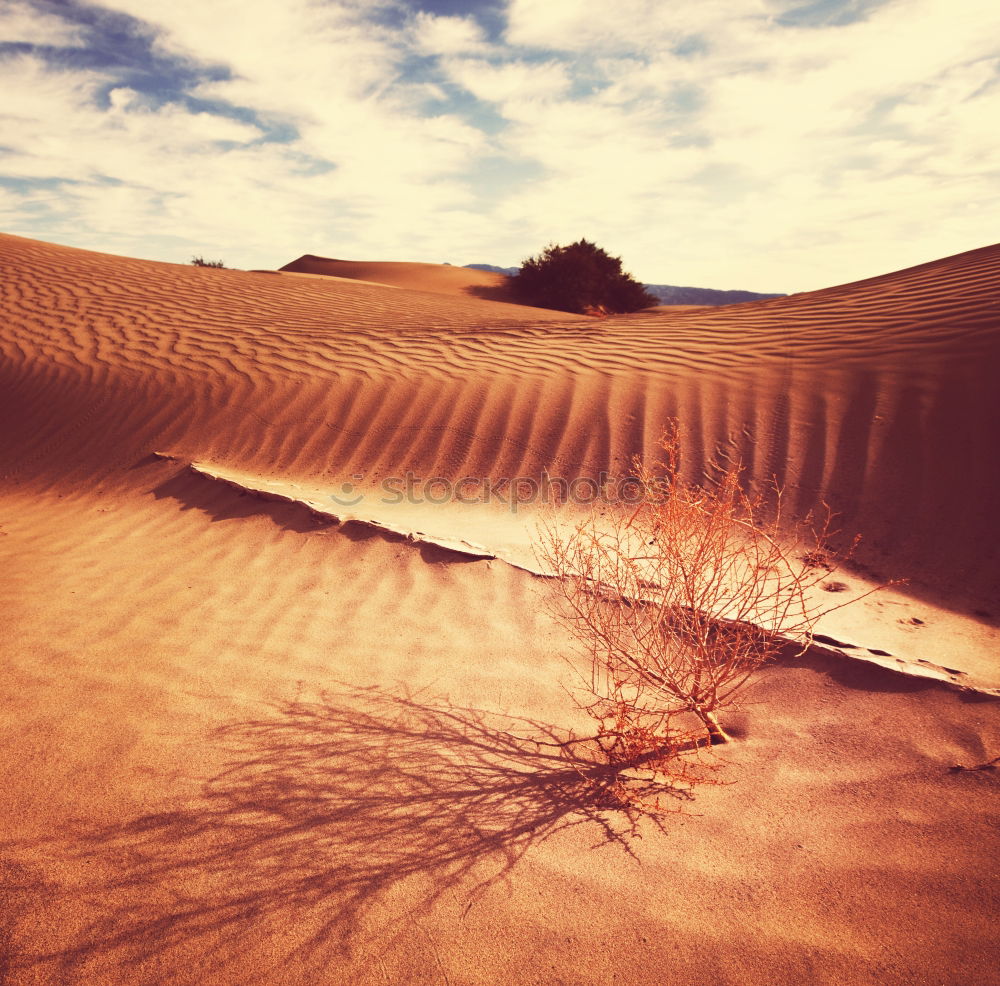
(877, 398)
(244, 743)
(439, 278)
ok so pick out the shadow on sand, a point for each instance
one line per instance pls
(493, 292)
(330, 817)
(222, 501)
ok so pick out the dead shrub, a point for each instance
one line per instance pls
(676, 600)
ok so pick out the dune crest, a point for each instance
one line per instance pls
(436, 278)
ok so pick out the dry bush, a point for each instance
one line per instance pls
(677, 599)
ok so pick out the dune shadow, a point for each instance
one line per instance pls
(325, 812)
(493, 292)
(857, 674)
(853, 672)
(361, 531)
(150, 459)
(223, 502)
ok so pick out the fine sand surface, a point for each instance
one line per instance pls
(244, 743)
(439, 278)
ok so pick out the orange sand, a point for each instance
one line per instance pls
(438, 278)
(244, 744)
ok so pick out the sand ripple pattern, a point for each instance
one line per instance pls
(877, 397)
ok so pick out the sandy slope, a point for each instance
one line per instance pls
(242, 744)
(438, 278)
(878, 398)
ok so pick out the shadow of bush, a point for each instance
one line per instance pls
(323, 810)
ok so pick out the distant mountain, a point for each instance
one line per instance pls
(497, 270)
(670, 294)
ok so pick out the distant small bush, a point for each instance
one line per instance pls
(579, 278)
(202, 262)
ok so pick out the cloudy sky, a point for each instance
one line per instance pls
(771, 145)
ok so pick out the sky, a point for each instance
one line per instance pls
(766, 145)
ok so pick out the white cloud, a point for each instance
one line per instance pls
(769, 139)
(58, 129)
(516, 80)
(366, 170)
(706, 141)
(434, 35)
(22, 23)
(625, 25)
(329, 73)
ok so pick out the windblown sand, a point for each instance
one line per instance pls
(244, 743)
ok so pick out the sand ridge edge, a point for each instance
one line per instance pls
(821, 644)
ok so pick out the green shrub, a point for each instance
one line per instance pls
(579, 278)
